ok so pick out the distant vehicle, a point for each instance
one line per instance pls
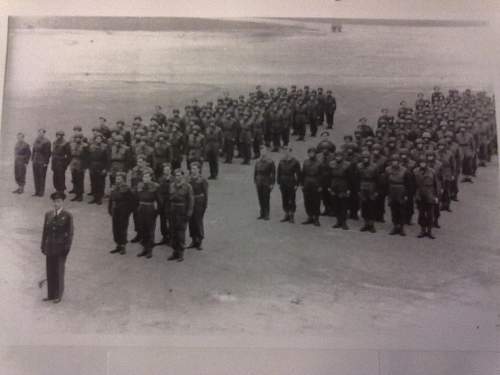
(336, 28)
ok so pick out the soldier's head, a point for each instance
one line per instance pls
(442, 145)
(120, 124)
(426, 137)
(58, 199)
(363, 121)
(59, 134)
(395, 160)
(339, 156)
(147, 177)
(420, 95)
(118, 139)
(357, 134)
(349, 150)
(422, 162)
(311, 152)
(462, 129)
(365, 157)
(376, 149)
(121, 177)
(403, 157)
(348, 138)
(98, 138)
(195, 169)
(166, 169)
(78, 138)
(179, 175)
(430, 157)
(20, 136)
(141, 160)
(263, 150)
(437, 89)
(287, 150)
(77, 129)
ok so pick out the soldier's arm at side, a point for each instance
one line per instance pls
(70, 232)
(190, 201)
(44, 234)
(205, 191)
(273, 174)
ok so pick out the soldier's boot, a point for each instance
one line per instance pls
(365, 227)
(76, 198)
(316, 221)
(115, 250)
(308, 221)
(429, 233)
(192, 245)
(344, 225)
(436, 224)
(72, 191)
(122, 249)
(149, 252)
(337, 225)
(371, 229)
(394, 230)
(198, 245)
(423, 232)
(285, 218)
(143, 253)
(17, 191)
(136, 239)
(291, 218)
(402, 231)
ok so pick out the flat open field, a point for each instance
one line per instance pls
(254, 278)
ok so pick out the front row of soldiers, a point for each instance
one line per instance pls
(178, 201)
(359, 183)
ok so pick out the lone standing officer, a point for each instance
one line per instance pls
(61, 156)
(120, 206)
(426, 197)
(288, 178)
(264, 179)
(22, 155)
(40, 157)
(56, 244)
(200, 194)
(181, 207)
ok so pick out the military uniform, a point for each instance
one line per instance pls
(330, 108)
(61, 156)
(288, 178)
(164, 207)
(22, 155)
(77, 165)
(56, 244)
(98, 162)
(42, 151)
(311, 187)
(264, 179)
(212, 146)
(120, 160)
(162, 154)
(200, 194)
(426, 197)
(368, 175)
(121, 204)
(148, 198)
(181, 205)
(398, 185)
(341, 181)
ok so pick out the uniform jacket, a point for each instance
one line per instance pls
(57, 233)
(265, 172)
(22, 152)
(311, 174)
(288, 172)
(426, 184)
(200, 193)
(42, 151)
(181, 200)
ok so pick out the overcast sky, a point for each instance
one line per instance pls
(430, 9)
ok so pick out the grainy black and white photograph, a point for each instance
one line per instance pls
(327, 180)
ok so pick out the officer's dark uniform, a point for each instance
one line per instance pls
(200, 194)
(120, 158)
(77, 165)
(135, 178)
(98, 162)
(288, 178)
(212, 146)
(22, 155)
(121, 204)
(164, 208)
(181, 205)
(264, 179)
(148, 198)
(56, 245)
(311, 188)
(246, 141)
(330, 107)
(426, 197)
(40, 157)
(368, 174)
(61, 156)
(341, 181)
(229, 129)
(398, 185)
(162, 154)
